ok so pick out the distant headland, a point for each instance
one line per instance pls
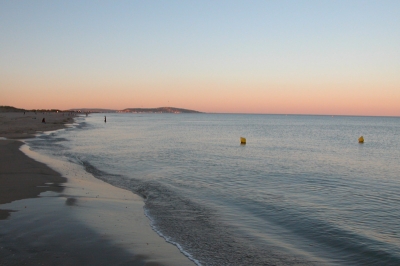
(11, 109)
(169, 110)
(158, 110)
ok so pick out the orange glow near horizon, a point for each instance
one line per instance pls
(210, 97)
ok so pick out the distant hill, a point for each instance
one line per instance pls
(171, 110)
(159, 110)
(93, 110)
(5, 109)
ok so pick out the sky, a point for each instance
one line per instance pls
(268, 57)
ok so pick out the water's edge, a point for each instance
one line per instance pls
(57, 165)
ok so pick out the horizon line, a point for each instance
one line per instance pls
(202, 112)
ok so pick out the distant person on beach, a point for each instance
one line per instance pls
(105, 119)
(44, 120)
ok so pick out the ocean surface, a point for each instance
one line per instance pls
(302, 191)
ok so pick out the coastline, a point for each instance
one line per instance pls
(66, 216)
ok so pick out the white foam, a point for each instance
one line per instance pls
(168, 239)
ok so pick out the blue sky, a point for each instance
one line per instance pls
(145, 44)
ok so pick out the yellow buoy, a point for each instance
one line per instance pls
(361, 139)
(242, 140)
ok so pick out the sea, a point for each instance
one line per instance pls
(301, 191)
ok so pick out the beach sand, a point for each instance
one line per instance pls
(72, 218)
(17, 125)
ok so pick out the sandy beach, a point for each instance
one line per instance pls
(63, 215)
(20, 125)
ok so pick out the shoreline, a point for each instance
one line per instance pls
(68, 216)
(33, 177)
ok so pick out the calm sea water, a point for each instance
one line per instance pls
(302, 191)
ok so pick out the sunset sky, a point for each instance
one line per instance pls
(273, 57)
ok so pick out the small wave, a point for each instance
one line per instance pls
(168, 239)
(110, 178)
(194, 228)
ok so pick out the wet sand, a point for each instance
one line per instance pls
(22, 177)
(71, 218)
